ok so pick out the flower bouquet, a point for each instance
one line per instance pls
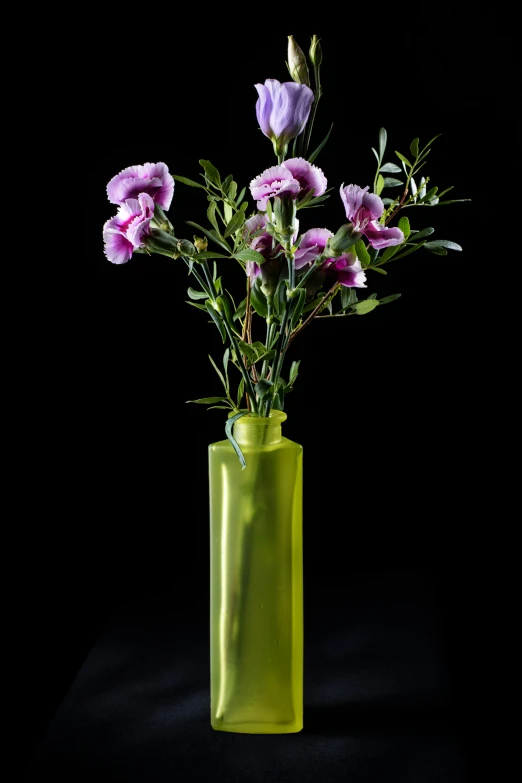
(296, 271)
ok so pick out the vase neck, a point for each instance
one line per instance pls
(251, 431)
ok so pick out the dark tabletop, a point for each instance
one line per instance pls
(379, 702)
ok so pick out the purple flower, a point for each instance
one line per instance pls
(124, 233)
(283, 110)
(151, 178)
(260, 240)
(365, 209)
(273, 182)
(295, 177)
(346, 268)
(309, 176)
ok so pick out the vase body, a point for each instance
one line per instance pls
(256, 535)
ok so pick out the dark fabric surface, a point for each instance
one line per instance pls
(380, 703)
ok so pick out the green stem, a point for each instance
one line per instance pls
(269, 325)
(233, 340)
(318, 96)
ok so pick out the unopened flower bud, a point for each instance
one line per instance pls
(316, 52)
(161, 242)
(345, 238)
(186, 248)
(201, 244)
(285, 211)
(297, 64)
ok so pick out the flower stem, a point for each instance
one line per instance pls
(316, 312)
(231, 336)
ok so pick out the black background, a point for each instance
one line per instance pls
(381, 404)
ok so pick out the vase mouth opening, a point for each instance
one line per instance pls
(276, 418)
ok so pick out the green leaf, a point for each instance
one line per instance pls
(264, 357)
(232, 190)
(189, 182)
(298, 309)
(389, 253)
(241, 311)
(362, 254)
(221, 407)
(377, 269)
(208, 255)
(390, 299)
(235, 224)
(364, 308)
(304, 201)
(316, 152)
(429, 195)
(214, 236)
(404, 225)
(211, 172)
(435, 249)
(445, 243)
(220, 374)
(263, 388)
(391, 168)
(448, 190)
(410, 251)
(200, 307)
(426, 232)
(211, 215)
(226, 359)
(454, 201)
(258, 300)
(383, 142)
(240, 392)
(217, 320)
(314, 304)
(430, 143)
(380, 184)
(250, 255)
(207, 401)
(348, 297)
(294, 372)
(379, 161)
(247, 351)
(228, 429)
(315, 201)
(404, 159)
(390, 182)
(372, 296)
(241, 196)
(196, 295)
(414, 148)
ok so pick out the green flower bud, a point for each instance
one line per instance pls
(285, 211)
(161, 242)
(345, 238)
(297, 64)
(186, 248)
(316, 52)
(201, 244)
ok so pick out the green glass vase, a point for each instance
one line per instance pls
(256, 533)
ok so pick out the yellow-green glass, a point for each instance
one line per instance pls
(256, 529)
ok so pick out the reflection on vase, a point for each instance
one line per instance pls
(257, 581)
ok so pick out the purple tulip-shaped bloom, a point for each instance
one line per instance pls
(346, 268)
(364, 210)
(151, 178)
(125, 232)
(283, 110)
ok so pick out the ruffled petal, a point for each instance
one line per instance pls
(380, 237)
(352, 197)
(309, 176)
